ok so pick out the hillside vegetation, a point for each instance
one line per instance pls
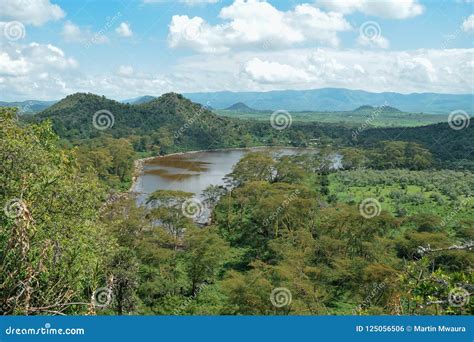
(388, 234)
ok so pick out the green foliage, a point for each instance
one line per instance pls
(50, 245)
(284, 222)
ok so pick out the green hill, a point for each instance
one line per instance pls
(185, 123)
(241, 107)
(174, 123)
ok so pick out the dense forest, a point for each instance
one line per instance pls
(389, 233)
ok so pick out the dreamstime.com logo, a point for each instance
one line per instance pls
(102, 297)
(370, 208)
(103, 119)
(281, 297)
(281, 119)
(458, 119)
(14, 208)
(192, 208)
(192, 30)
(46, 330)
(458, 297)
(370, 30)
(14, 30)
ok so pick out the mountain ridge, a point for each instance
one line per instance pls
(337, 99)
(323, 99)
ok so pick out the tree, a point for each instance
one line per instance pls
(50, 241)
(254, 166)
(205, 253)
(169, 212)
(353, 158)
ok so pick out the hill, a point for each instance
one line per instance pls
(170, 117)
(241, 107)
(337, 99)
(174, 121)
(29, 106)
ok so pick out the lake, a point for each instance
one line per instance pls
(195, 171)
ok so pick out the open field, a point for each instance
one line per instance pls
(390, 119)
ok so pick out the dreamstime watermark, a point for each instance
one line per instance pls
(281, 119)
(458, 119)
(26, 107)
(188, 300)
(282, 207)
(192, 208)
(370, 208)
(376, 290)
(370, 30)
(373, 115)
(450, 38)
(99, 36)
(281, 297)
(455, 211)
(46, 330)
(102, 297)
(103, 119)
(14, 30)
(192, 120)
(458, 297)
(192, 30)
(14, 208)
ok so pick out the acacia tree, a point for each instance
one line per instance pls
(50, 241)
(168, 212)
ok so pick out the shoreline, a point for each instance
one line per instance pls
(138, 164)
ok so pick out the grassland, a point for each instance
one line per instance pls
(353, 118)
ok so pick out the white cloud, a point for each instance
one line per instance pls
(392, 9)
(468, 24)
(73, 33)
(125, 70)
(370, 35)
(34, 70)
(372, 70)
(377, 41)
(273, 72)
(34, 12)
(124, 30)
(257, 24)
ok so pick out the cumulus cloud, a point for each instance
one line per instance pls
(124, 30)
(273, 72)
(377, 41)
(34, 12)
(34, 70)
(392, 9)
(45, 72)
(419, 70)
(468, 24)
(257, 24)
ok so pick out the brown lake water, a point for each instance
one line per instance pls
(195, 171)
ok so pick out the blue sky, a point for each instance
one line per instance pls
(123, 49)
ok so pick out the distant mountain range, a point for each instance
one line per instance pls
(139, 100)
(325, 99)
(334, 99)
(30, 106)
